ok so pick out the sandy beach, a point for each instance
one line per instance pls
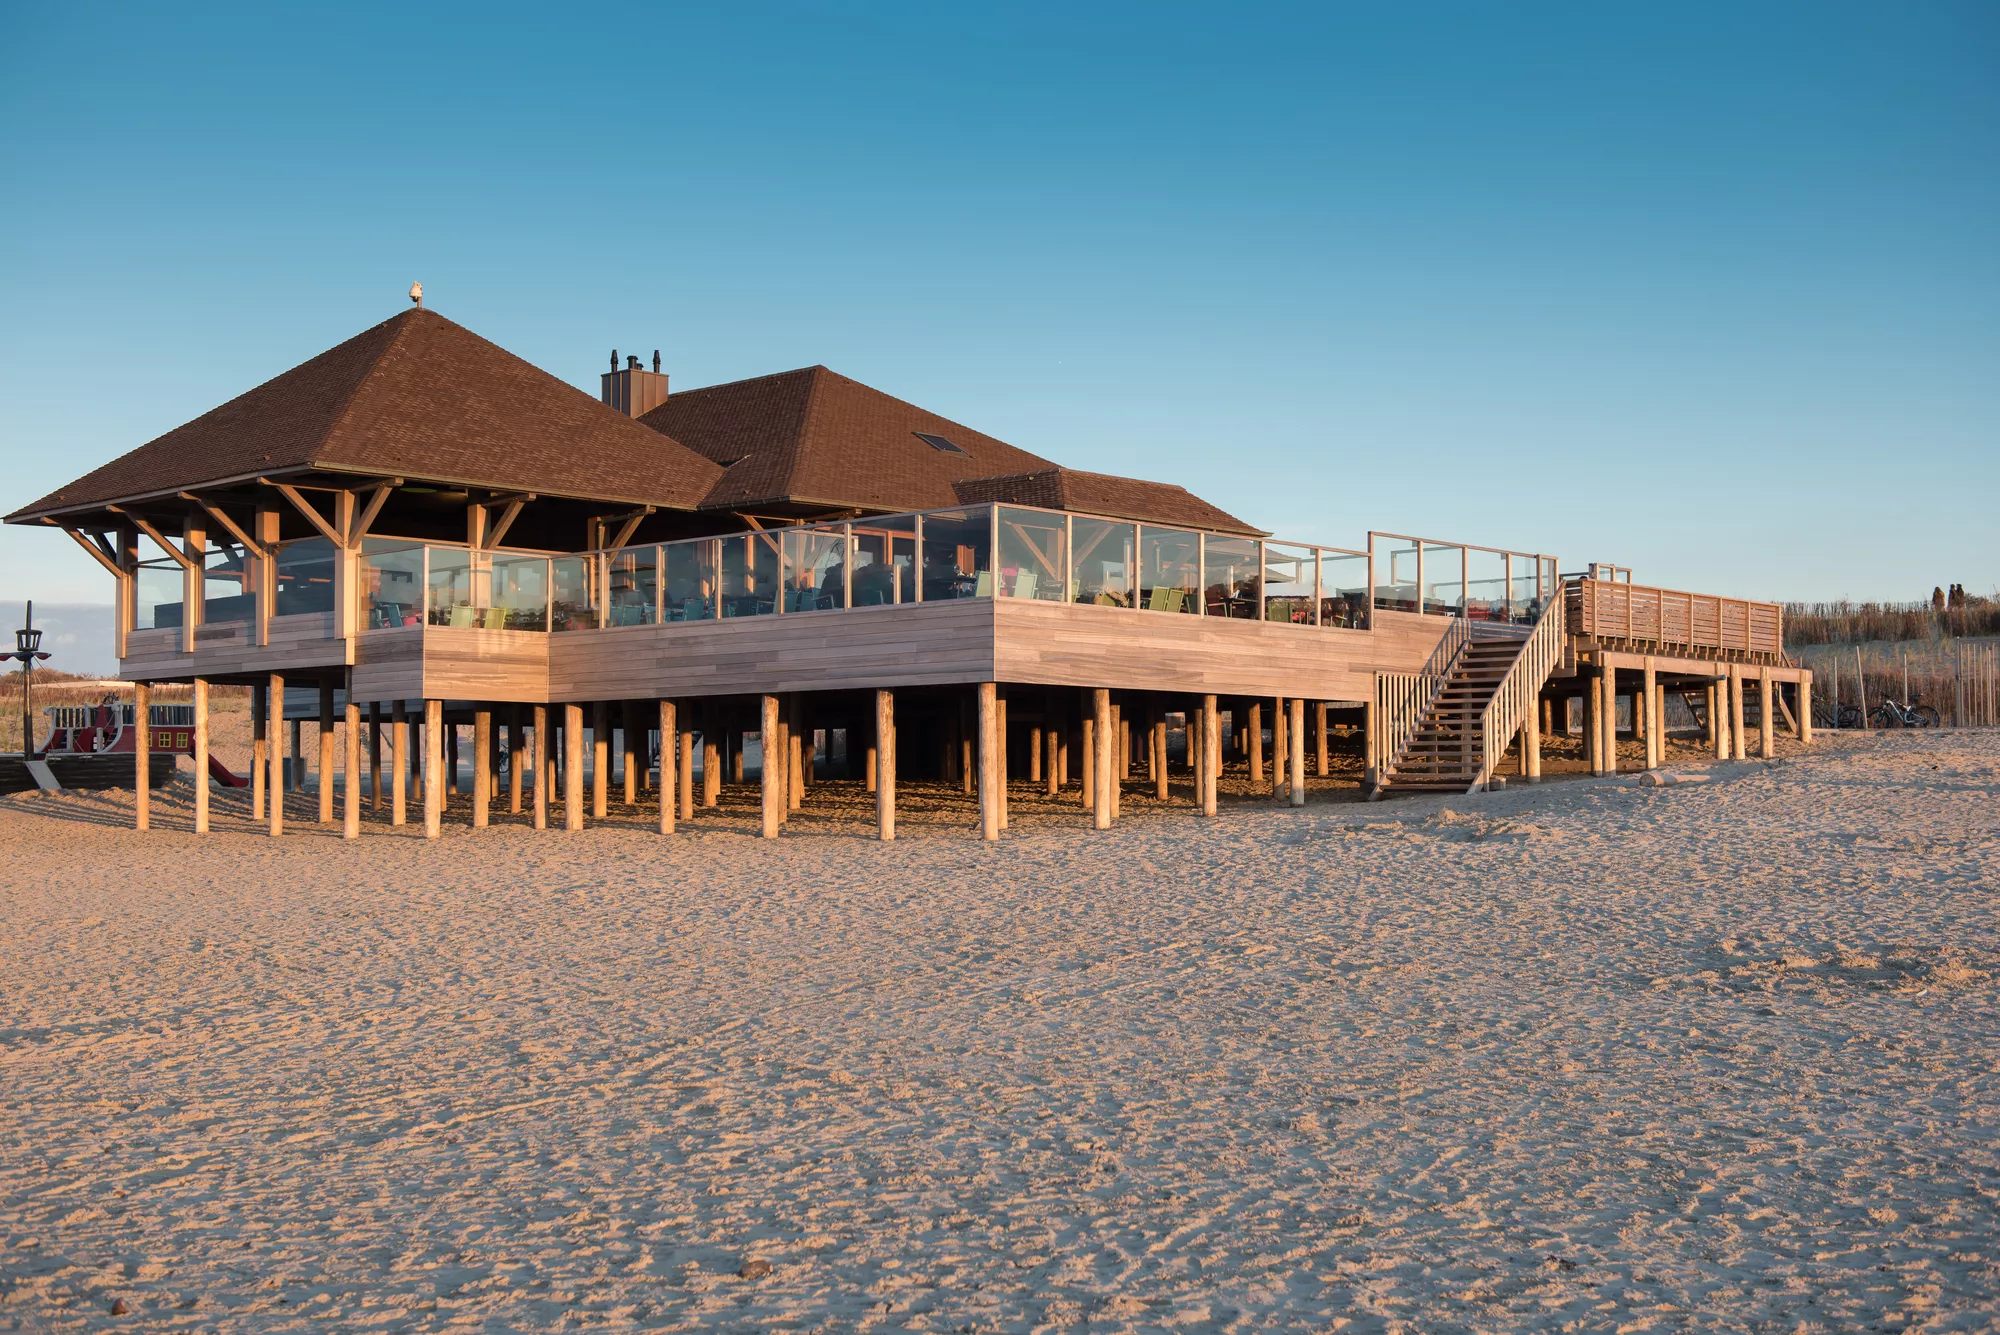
(1585, 1056)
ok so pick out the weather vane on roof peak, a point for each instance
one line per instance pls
(417, 293)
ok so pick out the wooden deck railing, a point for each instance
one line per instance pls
(1520, 691)
(1607, 611)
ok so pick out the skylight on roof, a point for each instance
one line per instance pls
(938, 443)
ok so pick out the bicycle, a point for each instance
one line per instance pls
(1889, 714)
(1829, 714)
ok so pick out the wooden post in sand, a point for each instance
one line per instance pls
(201, 780)
(669, 768)
(1805, 719)
(142, 755)
(1531, 742)
(482, 767)
(1051, 744)
(326, 753)
(399, 777)
(989, 762)
(1651, 696)
(433, 768)
(1296, 731)
(541, 766)
(1101, 749)
(1739, 744)
(572, 766)
(1607, 719)
(1087, 763)
(1321, 761)
(516, 754)
(260, 725)
(276, 711)
(631, 748)
(1211, 752)
(769, 773)
(1253, 741)
(1000, 755)
(1767, 711)
(600, 758)
(1113, 742)
(375, 754)
(1159, 750)
(885, 765)
(686, 763)
(350, 813)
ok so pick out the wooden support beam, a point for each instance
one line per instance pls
(1051, 745)
(1767, 715)
(1650, 696)
(375, 755)
(276, 692)
(365, 518)
(1253, 739)
(142, 755)
(399, 777)
(1000, 757)
(1280, 745)
(769, 773)
(1158, 751)
(1322, 762)
(1115, 745)
(572, 763)
(109, 560)
(669, 765)
(164, 543)
(630, 748)
(433, 769)
(1101, 758)
(794, 753)
(539, 721)
(1531, 742)
(1087, 761)
(1805, 719)
(201, 779)
(482, 767)
(326, 753)
(311, 515)
(885, 765)
(260, 726)
(1739, 744)
(1211, 753)
(350, 823)
(989, 768)
(600, 757)
(1296, 733)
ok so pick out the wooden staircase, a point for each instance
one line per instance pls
(1446, 752)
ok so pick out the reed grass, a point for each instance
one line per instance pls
(1864, 623)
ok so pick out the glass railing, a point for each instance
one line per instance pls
(1458, 579)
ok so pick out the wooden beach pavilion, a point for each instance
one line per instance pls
(416, 540)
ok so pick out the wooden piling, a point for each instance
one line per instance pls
(669, 767)
(885, 765)
(1739, 744)
(768, 772)
(989, 762)
(326, 753)
(142, 756)
(201, 779)
(260, 728)
(1098, 745)
(433, 765)
(1649, 693)
(1767, 710)
(399, 777)
(350, 815)
(1295, 733)
(375, 754)
(276, 814)
(1211, 753)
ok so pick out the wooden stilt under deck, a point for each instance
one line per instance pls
(1000, 756)
(201, 779)
(794, 754)
(1034, 755)
(482, 768)
(260, 729)
(1321, 759)
(711, 757)
(572, 764)
(276, 815)
(669, 769)
(516, 744)
(773, 792)
(1531, 742)
(600, 759)
(326, 753)
(1116, 750)
(540, 723)
(433, 768)
(1158, 732)
(631, 748)
(1051, 761)
(686, 762)
(142, 755)
(1281, 744)
(988, 760)
(1085, 761)
(350, 815)
(1767, 714)
(1650, 691)
(1098, 744)
(1738, 743)
(375, 754)
(1211, 753)
(1253, 741)
(399, 772)
(885, 765)
(1805, 708)
(1296, 732)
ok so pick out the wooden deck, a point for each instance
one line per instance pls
(1644, 619)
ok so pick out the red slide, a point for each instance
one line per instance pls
(220, 773)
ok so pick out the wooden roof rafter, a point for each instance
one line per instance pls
(100, 551)
(165, 544)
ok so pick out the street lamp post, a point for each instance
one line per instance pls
(27, 648)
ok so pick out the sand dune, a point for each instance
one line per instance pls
(1589, 1056)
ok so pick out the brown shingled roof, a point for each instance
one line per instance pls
(815, 437)
(416, 396)
(1103, 494)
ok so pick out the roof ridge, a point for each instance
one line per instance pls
(818, 373)
(408, 319)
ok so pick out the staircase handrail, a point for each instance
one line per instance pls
(1520, 689)
(1412, 693)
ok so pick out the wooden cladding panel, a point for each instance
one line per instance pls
(465, 663)
(303, 641)
(1064, 645)
(866, 648)
(389, 664)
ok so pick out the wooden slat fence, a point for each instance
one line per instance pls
(1605, 610)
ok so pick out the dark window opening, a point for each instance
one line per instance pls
(938, 443)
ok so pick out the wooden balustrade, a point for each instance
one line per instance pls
(1602, 610)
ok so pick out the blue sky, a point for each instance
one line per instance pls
(1712, 291)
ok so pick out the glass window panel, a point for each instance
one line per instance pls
(749, 574)
(1444, 580)
(449, 591)
(1525, 600)
(958, 554)
(392, 577)
(1229, 577)
(1104, 564)
(691, 580)
(1169, 569)
(305, 577)
(1034, 560)
(1290, 584)
(1396, 574)
(885, 560)
(572, 592)
(519, 588)
(815, 569)
(162, 595)
(632, 586)
(1343, 589)
(1486, 594)
(228, 585)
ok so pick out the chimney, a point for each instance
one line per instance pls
(633, 390)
